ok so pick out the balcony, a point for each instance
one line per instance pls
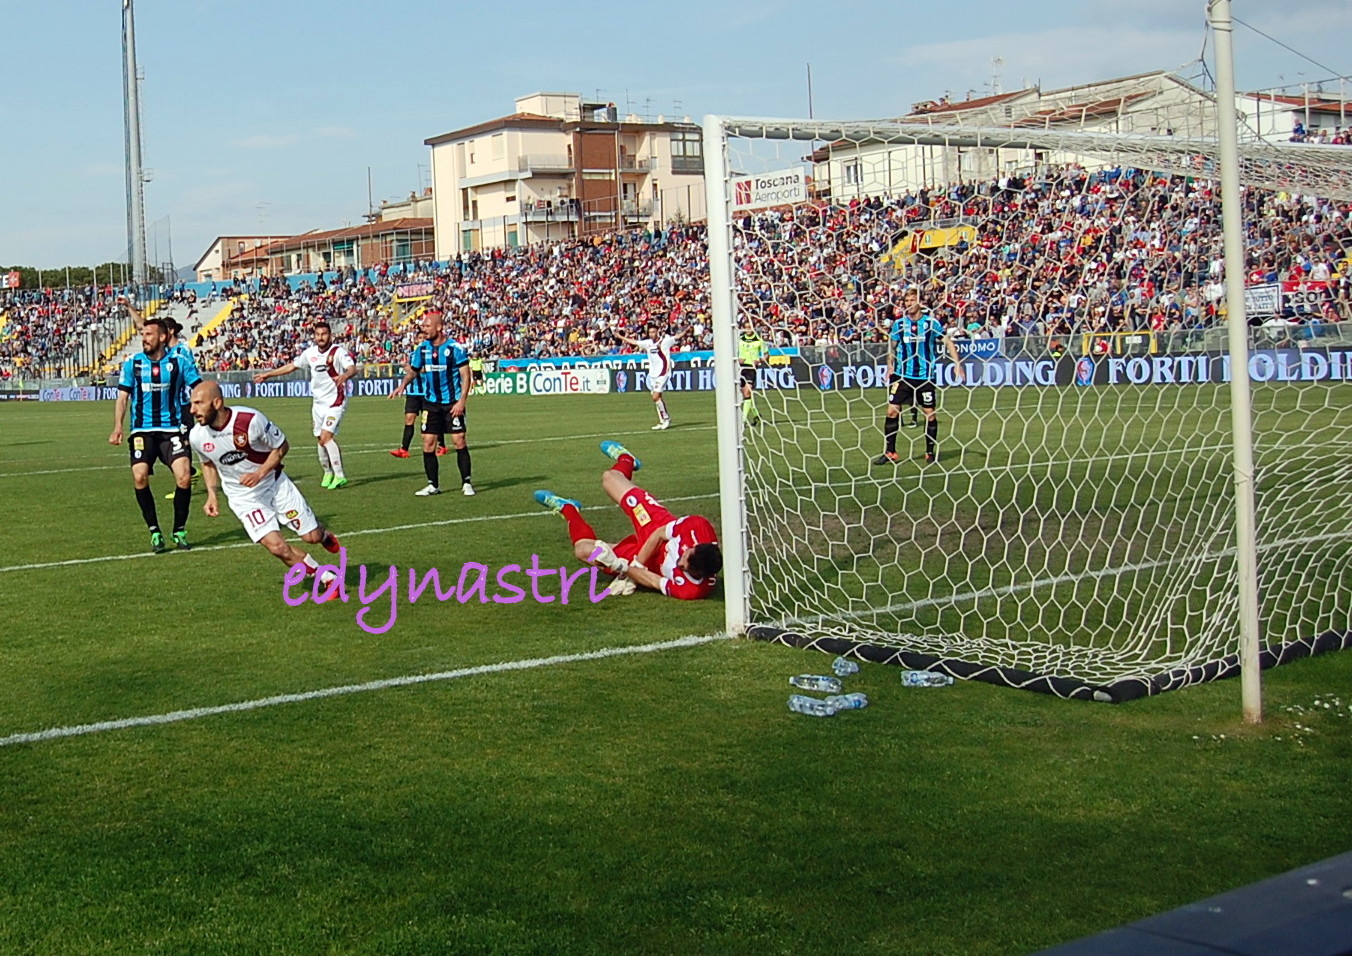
(561, 210)
(543, 163)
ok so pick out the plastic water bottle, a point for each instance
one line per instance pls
(855, 701)
(925, 679)
(802, 704)
(827, 685)
(844, 667)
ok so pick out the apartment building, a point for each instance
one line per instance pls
(559, 167)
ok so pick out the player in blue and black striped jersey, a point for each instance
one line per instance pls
(412, 409)
(153, 384)
(441, 368)
(912, 367)
(173, 346)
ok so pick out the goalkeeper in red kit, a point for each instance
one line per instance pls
(675, 556)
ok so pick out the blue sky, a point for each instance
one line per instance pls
(263, 117)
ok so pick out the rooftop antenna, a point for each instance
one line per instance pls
(996, 63)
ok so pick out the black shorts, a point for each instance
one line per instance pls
(911, 391)
(749, 375)
(413, 404)
(149, 447)
(476, 376)
(438, 420)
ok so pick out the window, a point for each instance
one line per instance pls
(687, 151)
(853, 177)
(497, 145)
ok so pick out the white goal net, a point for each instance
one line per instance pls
(1075, 533)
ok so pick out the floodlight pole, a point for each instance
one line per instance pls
(1241, 405)
(736, 574)
(131, 113)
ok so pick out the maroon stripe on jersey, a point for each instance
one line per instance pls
(240, 427)
(333, 374)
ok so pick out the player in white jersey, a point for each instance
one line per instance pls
(330, 366)
(242, 450)
(659, 348)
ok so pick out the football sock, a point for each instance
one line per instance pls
(578, 529)
(462, 459)
(931, 435)
(182, 504)
(324, 458)
(890, 428)
(430, 468)
(311, 565)
(408, 437)
(625, 466)
(662, 415)
(146, 499)
(441, 439)
(335, 457)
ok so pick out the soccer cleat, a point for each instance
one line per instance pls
(613, 450)
(427, 492)
(331, 543)
(337, 483)
(931, 458)
(662, 426)
(181, 541)
(467, 490)
(328, 582)
(441, 450)
(555, 502)
(157, 542)
(400, 453)
(327, 479)
(887, 458)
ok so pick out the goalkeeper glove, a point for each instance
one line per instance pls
(605, 556)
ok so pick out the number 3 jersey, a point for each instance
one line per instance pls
(238, 448)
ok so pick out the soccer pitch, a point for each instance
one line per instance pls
(539, 795)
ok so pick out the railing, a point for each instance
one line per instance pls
(562, 210)
(543, 162)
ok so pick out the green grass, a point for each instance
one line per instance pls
(661, 802)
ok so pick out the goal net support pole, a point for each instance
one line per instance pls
(731, 485)
(1241, 400)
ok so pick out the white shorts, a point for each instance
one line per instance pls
(658, 383)
(273, 508)
(327, 418)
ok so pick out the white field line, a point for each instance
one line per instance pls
(375, 449)
(194, 713)
(342, 536)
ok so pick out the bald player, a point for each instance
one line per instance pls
(242, 450)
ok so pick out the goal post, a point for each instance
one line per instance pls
(1077, 533)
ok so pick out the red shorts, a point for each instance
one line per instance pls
(647, 515)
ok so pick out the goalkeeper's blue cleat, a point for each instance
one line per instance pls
(613, 450)
(555, 502)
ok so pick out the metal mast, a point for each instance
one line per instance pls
(131, 110)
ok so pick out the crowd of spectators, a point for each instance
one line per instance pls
(1322, 137)
(1064, 252)
(46, 331)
